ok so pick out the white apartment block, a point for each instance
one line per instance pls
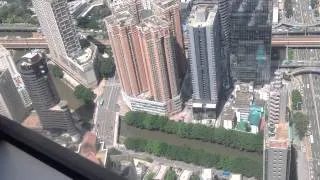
(6, 62)
(64, 45)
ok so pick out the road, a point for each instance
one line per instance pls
(106, 109)
(308, 85)
(301, 13)
(302, 16)
(311, 105)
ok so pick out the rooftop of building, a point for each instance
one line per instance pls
(228, 114)
(162, 172)
(243, 99)
(30, 58)
(165, 3)
(154, 23)
(32, 121)
(86, 55)
(185, 175)
(122, 18)
(280, 140)
(243, 95)
(202, 15)
(62, 105)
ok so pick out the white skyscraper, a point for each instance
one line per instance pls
(65, 50)
(205, 59)
(6, 62)
(11, 105)
(56, 25)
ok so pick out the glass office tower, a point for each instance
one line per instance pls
(250, 40)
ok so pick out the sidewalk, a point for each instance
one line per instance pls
(98, 91)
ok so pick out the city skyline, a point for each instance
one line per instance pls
(178, 89)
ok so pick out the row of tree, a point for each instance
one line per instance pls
(242, 165)
(229, 138)
(301, 123)
(296, 99)
(288, 7)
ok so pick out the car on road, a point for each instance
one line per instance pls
(311, 139)
(308, 133)
(101, 102)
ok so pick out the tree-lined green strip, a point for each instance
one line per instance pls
(241, 165)
(229, 138)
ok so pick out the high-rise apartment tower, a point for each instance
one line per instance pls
(170, 11)
(205, 59)
(277, 143)
(145, 50)
(57, 26)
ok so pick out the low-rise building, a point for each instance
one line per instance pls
(185, 175)
(206, 174)
(161, 173)
(76, 7)
(236, 177)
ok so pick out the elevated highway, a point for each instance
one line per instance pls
(18, 28)
(296, 41)
(297, 24)
(298, 64)
(35, 43)
(304, 70)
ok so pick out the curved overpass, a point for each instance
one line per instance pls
(299, 71)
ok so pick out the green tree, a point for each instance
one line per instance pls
(57, 72)
(290, 54)
(107, 68)
(236, 164)
(84, 94)
(84, 43)
(230, 138)
(86, 23)
(300, 123)
(296, 99)
(171, 175)
(288, 8)
(108, 50)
